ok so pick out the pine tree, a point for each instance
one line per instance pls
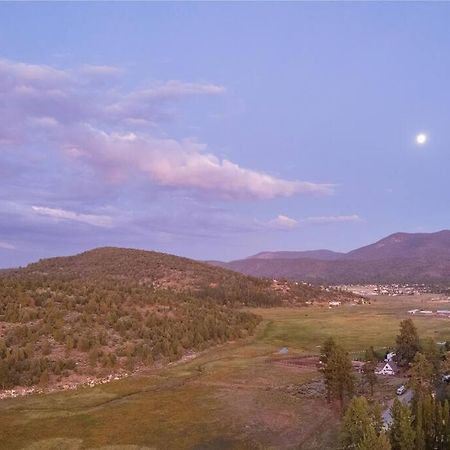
(439, 425)
(433, 354)
(445, 363)
(43, 380)
(338, 372)
(402, 434)
(421, 375)
(407, 342)
(428, 415)
(377, 414)
(446, 424)
(327, 349)
(369, 376)
(420, 435)
(374, 441)
(356, 423)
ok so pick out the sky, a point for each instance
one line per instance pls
(218, 130)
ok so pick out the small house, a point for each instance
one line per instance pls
(386, 368)
(389, 357)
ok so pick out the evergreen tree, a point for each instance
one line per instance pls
(338, 372)
(407, 342)
(433, 354)
(445, 363)
(374, 441)
(439, 428)
(402, 434)
(428, 415)
(446, 424)
(421, 375)
(377, 414)
(43, 379)
(369, 376)
(420, 435)
(327, 349)
(356, 423)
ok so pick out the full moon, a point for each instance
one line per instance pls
(421, 138)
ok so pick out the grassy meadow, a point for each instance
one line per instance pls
(229, 397)
(356, 327)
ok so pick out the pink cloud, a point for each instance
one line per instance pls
(62, 214)
(181, 164)
(283, 222)
(102, 127)
(7, 246)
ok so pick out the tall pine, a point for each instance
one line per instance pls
(356, 422)
(421, 375)
(374, 441)
(407, 342)
(369, 376)
(338, 373)
(402, 433)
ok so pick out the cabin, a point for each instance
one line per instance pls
(389, 357)
(386, 368)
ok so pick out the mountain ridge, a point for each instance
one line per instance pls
(399, 257)
(321, 254)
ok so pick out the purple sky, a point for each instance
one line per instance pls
(215, 131)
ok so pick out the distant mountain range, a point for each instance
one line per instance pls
(323, 255)
(400, 257)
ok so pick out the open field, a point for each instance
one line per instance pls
(356, 327)
(228, 398)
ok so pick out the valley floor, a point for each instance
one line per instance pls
(234, 397)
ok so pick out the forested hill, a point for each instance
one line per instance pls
(139, 265)
(110, 310)
(159, 270)
(163, 271)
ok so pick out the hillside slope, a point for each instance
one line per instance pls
(152, 269)
(111, 310)
(161, 271)
(406, 245)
